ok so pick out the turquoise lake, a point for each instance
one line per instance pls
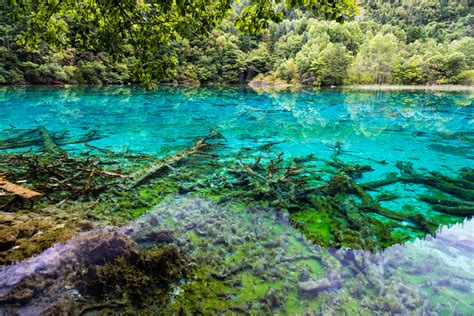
(431, 131)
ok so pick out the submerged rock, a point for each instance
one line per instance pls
(156, 236)
(96, 266)
(314, 287)
(24, 234)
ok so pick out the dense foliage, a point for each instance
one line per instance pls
(143, 29)
(394, 42)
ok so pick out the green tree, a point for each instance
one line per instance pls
(410, 72)
(330, 68)
(376, 60)
(465, 46)
(150, 27)
(440, 68)
(257, 61)
(288, 70)
(304, 59)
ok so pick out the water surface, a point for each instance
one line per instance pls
(433, 131)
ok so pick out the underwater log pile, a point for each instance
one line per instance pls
(329, 197)
(326, 199)
(60, 176)
(66, 188)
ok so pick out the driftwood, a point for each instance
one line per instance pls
(199, 147)
(18, 190)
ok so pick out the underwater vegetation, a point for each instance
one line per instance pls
(241, 215)
(234, 258)
(252, 259)
(325, 199)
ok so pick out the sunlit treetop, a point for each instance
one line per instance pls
(147, 28)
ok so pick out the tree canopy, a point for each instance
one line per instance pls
(389, 42)
(147, 29)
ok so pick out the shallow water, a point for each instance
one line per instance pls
(433, 131)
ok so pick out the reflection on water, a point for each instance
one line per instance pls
(248, 257)
(388, 124)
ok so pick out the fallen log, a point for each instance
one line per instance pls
(370, 205)
(417, 219)
(460, 188)
(462, 211)
(438, 200)
(466, 184)
(267, 146)
(447, 187)
(380, 183)
(107, 152)
(92, 135)
(449, 206)
(445, 184)
(19, 190)
(30, 142)
(41, 137)
(48, 142)
(199, 146)
(112, 154)
(21, 139)
(110, 174)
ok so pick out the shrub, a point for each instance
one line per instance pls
(52, 72)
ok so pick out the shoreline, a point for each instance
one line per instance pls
(409, 87)
(277, 87)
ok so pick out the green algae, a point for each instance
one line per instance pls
(315, 225)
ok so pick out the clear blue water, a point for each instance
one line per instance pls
(432, 130)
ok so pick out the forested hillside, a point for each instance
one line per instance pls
(389, 42)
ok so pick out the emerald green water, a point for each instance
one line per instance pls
(432, 130)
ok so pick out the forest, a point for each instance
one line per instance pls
(389, 42)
